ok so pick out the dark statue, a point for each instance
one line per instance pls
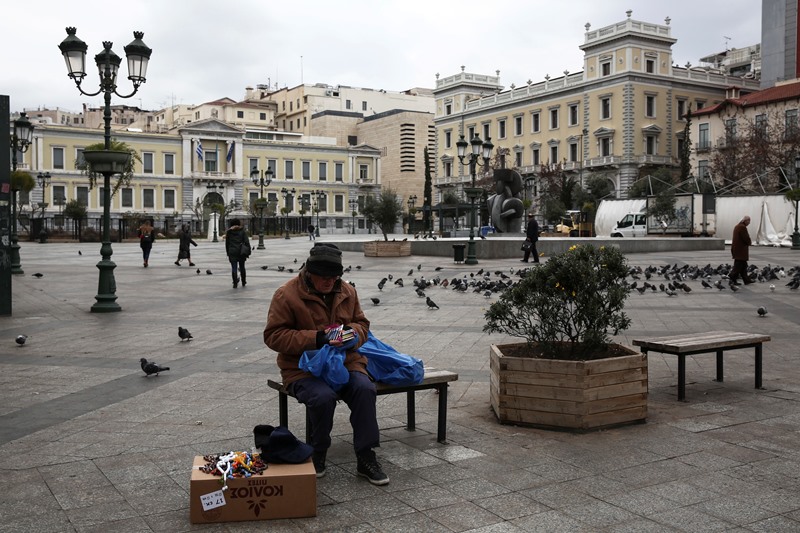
(505, 206)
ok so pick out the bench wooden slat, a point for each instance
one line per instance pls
(433, 379)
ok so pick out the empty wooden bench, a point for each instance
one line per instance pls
(695, 343)
(434, 379)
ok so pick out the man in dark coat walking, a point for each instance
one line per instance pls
(740, 252)
(532, 235)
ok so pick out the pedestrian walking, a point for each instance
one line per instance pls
(311, 235)
(184, 242)
(237, 246)
(740, 252)
(531, 237)
(147, 236)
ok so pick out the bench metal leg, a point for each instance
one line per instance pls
(411, 412)
(758, 365)
(283, 409)
(719, 365)
(681, 377)
(441, 430)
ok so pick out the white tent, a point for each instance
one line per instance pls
(766, 234)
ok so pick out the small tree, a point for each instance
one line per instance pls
(75, 211)
(383, 211)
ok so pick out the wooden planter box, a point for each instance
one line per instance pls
(574, 395)
(387, 248)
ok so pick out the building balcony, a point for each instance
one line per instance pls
(603, 161)
(650, 159)
(214, 176)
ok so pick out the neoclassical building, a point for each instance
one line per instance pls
(624, 113)
(208, 161)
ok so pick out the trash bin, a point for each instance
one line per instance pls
(458, 253)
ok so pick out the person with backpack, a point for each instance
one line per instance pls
(237, 246)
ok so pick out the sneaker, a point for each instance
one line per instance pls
(370, 468)
(318, 458)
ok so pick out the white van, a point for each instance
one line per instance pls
(631, 225)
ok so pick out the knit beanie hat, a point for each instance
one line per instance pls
(325, 260)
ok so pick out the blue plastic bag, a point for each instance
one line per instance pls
(387, 365)
(327, 363)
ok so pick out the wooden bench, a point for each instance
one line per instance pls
(434, 379)
(695, 343)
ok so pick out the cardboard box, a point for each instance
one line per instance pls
(282, 491)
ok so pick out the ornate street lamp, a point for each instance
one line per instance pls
(105, 161)
(261, 181)
(319, 196)
(20, 141)
(412, 200)
(213, 186)
(44, 183)
(353, 211)
(286, 193)
(796, 234)
(478, 150)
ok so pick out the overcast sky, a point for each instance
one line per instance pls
(204, 49)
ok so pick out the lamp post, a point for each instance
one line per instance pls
(412, 200)
(319, 196)
(478, 150)
(261, 180)
(20, 141)
(106, 162)
(287, 193)
(353, 202)
(212, 186)
(44, 183)
(796, 234)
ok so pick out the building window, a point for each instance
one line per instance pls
(288, 170)
(501, 129)
(323, 171)
(306, 170)
(363, 106)
(650, 145)
(470, 133)
(338, 171)
(605, 107)
(650, 66)
(790, 129)
(127, 197)
(536, 158)
(363, 172)
(59, 194)
(700, 104)
(553, 119)
(291, 106)
(702, 169)
(703, 142)
(536, 126)
(553, 155)
(448, 139)
(58, 158)
(605, 68)
(486, 131)
(169, 199)
(448, 169)
(573, 114)
(573, 152)
(650, 106)
(147, 162)
(240, 114)
(518, 159)
(680, 145)
(348, 104)
(605, 147)
(730, 130)
(681, 109)
(210, 161)
(252, 163)
(448, 109)
(169, 163)
(78, 157)
(148, 199)
(82, 195)
(262, 116)
(338, 203)
(518, 125)
(252, 197)
(761, 124)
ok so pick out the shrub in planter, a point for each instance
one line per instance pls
(567, 374)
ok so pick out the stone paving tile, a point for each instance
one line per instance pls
(551, 522)
(640, 502)
(428, 497)
(511, 505)
(376, 508)
(740, 511)
(598, 514)
(463, 516)
(639, 525)
(412, 523)
(690, 519)
(681, 492)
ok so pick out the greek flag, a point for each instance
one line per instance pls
(199, 150)
(230, 152)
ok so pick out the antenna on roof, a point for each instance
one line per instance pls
(727, 40)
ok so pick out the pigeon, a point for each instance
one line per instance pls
(208, 272)
(358, 267)
(762, 311)
(295, 260)
(381, 283)
(488, 293)
(772, 287)
(431, 303)
(419, 267)
(184, 334)
(734, 288)
(792, 284)
(264, 267)
(152, 368)
(437, 269)
(670, 292)
(410, 272)
(482, 237)
(37, 275)
(705, 284)
(375, 301)
(79, 252)
(21, 339)
(198, 271)
(281, 268)
(399, 282)
(420, 293)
